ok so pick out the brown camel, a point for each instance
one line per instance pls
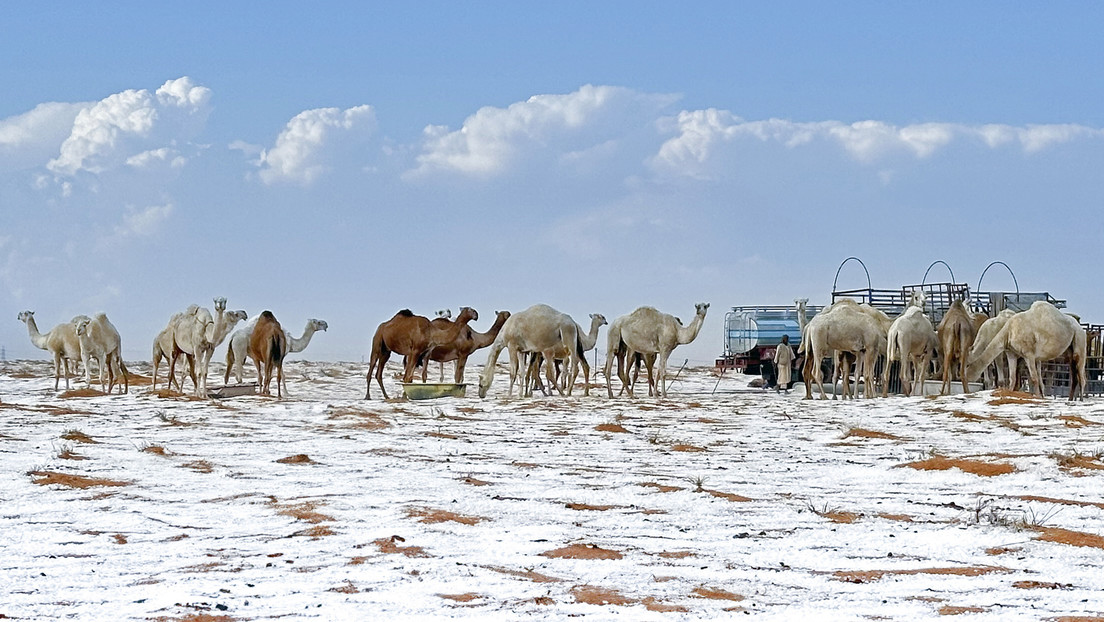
(413, 336)
(268, 345)
(956, 331)
(467, 342)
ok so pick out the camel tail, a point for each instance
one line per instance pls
(278, 347)
(892, 347)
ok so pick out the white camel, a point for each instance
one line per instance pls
(910, 340)
(647, 331)
(198, 335)
(540, 328)
(1040, 334)
(845, 329)
(585, 343)
(100, 340)
(1006, 367)
(238, 348)
(61, 342)
(956, 337)
(163, 348)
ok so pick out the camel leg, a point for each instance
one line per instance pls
(623, 372)
(550, 371)
(606, 372)
(661, 374)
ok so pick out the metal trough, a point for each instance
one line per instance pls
(431, 390)
(232, 390)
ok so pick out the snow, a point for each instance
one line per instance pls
(216, 526)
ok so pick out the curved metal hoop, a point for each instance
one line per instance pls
(925, 279)
(1014, 281)
(836, 280)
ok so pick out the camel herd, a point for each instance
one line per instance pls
(966, 343)
(539, 335)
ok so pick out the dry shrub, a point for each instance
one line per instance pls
(431, 516)
(529, 575)
(582, 551)
(119, 538)
(1070, 537)
(950, 610)
(1075, 461)
(196, 617)
(461, 598)
(318, 531)
(304, 511)
(961, 414)
(389, 546)
(611, 427)
(199, 466)
(543, 600)
(1002, 550)
(676, 554)
(728, 496)
(715, 594)
(1077, 421)
(592, 595)
(471, 481)
(1041, 585)
(444, 435)
(651, 604)
(297, 459)
(67, 454)
(1094, 504)
(869, 576)
(708, 420)
(169, 394)
(687, 448)
(45, 478)
(346, 588)
(1008, 396)
(660, 487)
(155, 449)
(588, 507)
(78, 437)
(864, 433)
(76, 393)
(525, 465)
(361, 419)
(138, 380)
(976, 467)
(903, 518)
(839, 516)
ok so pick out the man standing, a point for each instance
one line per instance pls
(783, 362)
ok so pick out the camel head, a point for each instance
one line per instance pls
(25, 315)
(917, 298)
(445, 313)
(467, 314)
(701, 308)
(220, 304)
(82, 326)
(318, 324)
(598, 319)
(233, 317)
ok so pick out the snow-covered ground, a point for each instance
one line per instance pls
(548, 508)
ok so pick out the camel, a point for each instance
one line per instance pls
(100, 340)
(617, 346)
(268, 347)
(198, 334)
(647, 331)
(540, 328)
(1040, 334)
(1006, 369)
(162, 348)
(584, 343)
(910, 340)
(466, 343)
(414, 337)
(956, 336)
(238, 348)
(844, 328)
(61, 342)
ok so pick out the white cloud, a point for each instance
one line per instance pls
(136, 223)
(699, 133)
(124, 125)
(163, 156)
(493, 138)
(28, 139)
(303, 149)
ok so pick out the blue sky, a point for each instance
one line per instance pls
(343, 161)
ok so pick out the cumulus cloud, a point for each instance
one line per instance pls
(307, 145)
(125, 125)
(698, 134)
(493, 138)
(29, 139)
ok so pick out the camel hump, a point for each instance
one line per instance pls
(266, 314)
(405, 313)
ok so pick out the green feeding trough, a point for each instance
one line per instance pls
(431, 390)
